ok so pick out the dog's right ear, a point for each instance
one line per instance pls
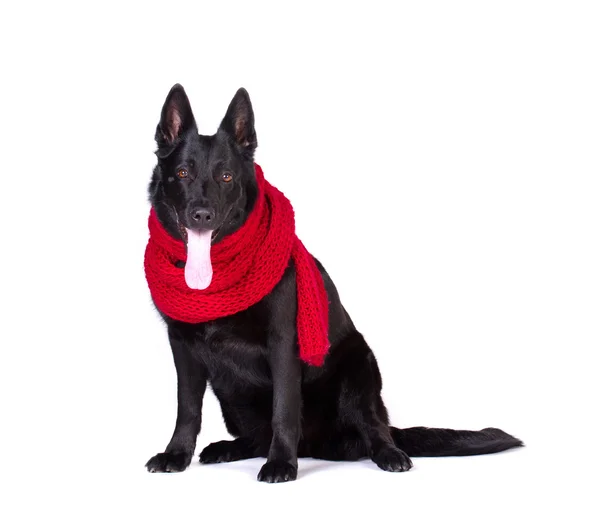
(175, 119)
(238, 123)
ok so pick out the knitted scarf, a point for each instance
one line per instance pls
(247, 265)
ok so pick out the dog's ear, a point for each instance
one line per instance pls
(176, 117)
(239, 122)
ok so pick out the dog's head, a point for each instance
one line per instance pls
(203, 187)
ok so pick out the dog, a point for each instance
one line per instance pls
(274, 404)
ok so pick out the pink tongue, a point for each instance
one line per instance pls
(198, 269)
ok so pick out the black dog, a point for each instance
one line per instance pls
(274, 405)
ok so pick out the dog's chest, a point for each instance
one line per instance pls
(237, 348)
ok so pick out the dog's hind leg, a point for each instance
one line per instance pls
(344, 445)
(361, 406)
(231, 450)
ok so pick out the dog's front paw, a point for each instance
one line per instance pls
(277, 471)
(392, 459)
(168, 462)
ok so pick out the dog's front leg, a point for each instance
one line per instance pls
(191, 384)
(282, 461)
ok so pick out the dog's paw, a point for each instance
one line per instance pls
(392, 459)
(168, 462)
(277, 471)
(223, 451)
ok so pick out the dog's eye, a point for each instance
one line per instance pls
(227, 177)
(182, 173)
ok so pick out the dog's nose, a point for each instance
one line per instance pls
(204, 217)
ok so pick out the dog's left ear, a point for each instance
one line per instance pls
(175, 119)
(239, 122)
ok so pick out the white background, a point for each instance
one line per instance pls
(442, 158)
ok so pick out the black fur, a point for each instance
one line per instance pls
(274, 405)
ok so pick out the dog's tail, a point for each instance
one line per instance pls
(430, 442)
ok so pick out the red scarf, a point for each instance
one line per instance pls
(247, 265)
